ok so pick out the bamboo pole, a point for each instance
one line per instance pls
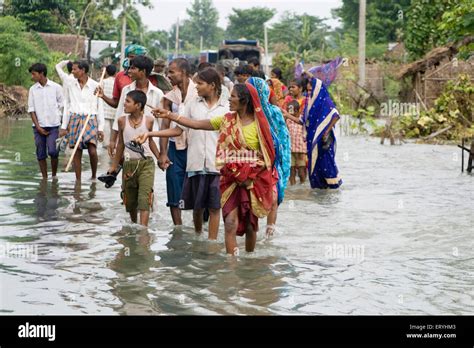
(82, 130)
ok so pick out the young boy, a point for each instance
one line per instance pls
(298, 142)
(138, 173)
(45, 101)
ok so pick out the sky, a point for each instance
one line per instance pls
(165, 12)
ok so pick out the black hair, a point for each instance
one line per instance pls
(82, 65)
(244, 96)
(143, 63)
(248, 70)
(39, 68)
(204, 65)
(210, 75)
(138, 97)
(254, 61)
(111, 70)
(295, 104)
(221, 69)
(277, 72)
(69, 66)
(239, 70)
(182, 64)
(301, 83)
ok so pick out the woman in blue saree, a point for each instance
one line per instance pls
(281, 141)
(320, 117)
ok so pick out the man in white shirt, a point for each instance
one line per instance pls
(139, 71)
(45, 100)
(80, 102)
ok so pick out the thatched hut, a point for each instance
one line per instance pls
(430, 73)
(65, 43)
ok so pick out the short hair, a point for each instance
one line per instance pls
(210, 75)
(221, 68)
(39, 68)
(247, 70)
(111, 70)
(142, 63)
(278, 73)
(69, 66)
(183, 65)
(82, 64)
(254, 61)
(239, 70)
(138, 97)
(204, 65)
(295, 105)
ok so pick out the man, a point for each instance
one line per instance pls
(254, 63)
(173, 155)
(158, 71)
(122, 79)
(45, 100)
(139, 71)
(109, 112)
(80, 102)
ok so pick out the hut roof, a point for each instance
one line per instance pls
(432, 58)
(63, 42)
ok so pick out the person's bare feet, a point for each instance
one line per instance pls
(269, 231)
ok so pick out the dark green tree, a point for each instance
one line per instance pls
(437, 22)
(203, 18)
(248, 23)
(384, 19)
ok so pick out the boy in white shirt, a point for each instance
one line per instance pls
(45, 100)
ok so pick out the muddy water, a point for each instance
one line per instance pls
(397, 238)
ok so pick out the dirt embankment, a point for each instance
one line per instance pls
(13, 100)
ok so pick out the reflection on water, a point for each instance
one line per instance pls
(395, 239)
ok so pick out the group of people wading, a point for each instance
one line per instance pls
(225, 145)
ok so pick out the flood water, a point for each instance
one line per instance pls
(397, 238)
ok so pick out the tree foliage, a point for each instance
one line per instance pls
(304, 34)
(384, 19)
(203, 18)
(248, 23)
(18, 51)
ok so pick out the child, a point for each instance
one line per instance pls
(298, 142)
(138, 168)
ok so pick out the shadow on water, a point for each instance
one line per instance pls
(400, 227)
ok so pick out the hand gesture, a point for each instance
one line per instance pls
(142, 138)
(161, 113)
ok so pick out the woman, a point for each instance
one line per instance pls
(245, 156)
(281, 142)
(320, 117)
(277, 88)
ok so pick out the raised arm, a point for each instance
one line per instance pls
(183, 121)
(165, 133)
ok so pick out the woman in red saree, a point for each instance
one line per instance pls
(245, 156)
